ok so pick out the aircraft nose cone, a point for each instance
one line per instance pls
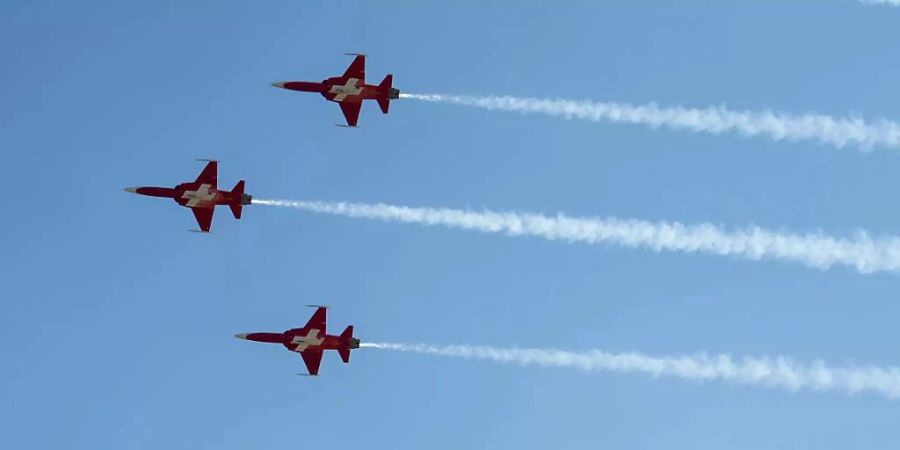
(241, 336)
(278, 84)
(133, 190)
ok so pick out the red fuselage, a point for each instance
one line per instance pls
(195, 195)
(311, 341)
(202, 195)
(300, 339)
(338, 89)
(349, 90)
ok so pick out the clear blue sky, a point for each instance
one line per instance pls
(118, 323)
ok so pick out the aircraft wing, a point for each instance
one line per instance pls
(351, 111)
(357, 69)
(204, 217)
(312, 358)
(209, 175)
(317, 321)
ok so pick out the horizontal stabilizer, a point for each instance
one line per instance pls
(238, 194)
(386, 93)
(384, 103)
(236, 210)
(346, 337)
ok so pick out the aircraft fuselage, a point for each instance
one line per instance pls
(339, 89)
(194, 195)
(300, 339)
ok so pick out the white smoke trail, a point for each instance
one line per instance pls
(881, 2)
(779, 372)
(839, 132)
(816, 250)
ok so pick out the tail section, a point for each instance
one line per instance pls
(345, 354)
(386, 83)
(351, 343)
(236, 210)
(384, 104)
(388, 93)
(241, 199)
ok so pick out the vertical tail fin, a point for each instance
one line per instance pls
(386, 83)
(238, 193)
(347, 337)
(387, 92)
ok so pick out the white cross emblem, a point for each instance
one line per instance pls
(349, 89)
(201, 194)
(311, 339)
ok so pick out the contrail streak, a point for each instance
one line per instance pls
(863, 253)
(777, 372)
(778, 126)
(881, 2)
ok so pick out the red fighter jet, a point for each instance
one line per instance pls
(350, 89)
(202, 195)
(310, 341)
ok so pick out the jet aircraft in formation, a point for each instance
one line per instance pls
(310, 341)
(202, 195)
(350, 89)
